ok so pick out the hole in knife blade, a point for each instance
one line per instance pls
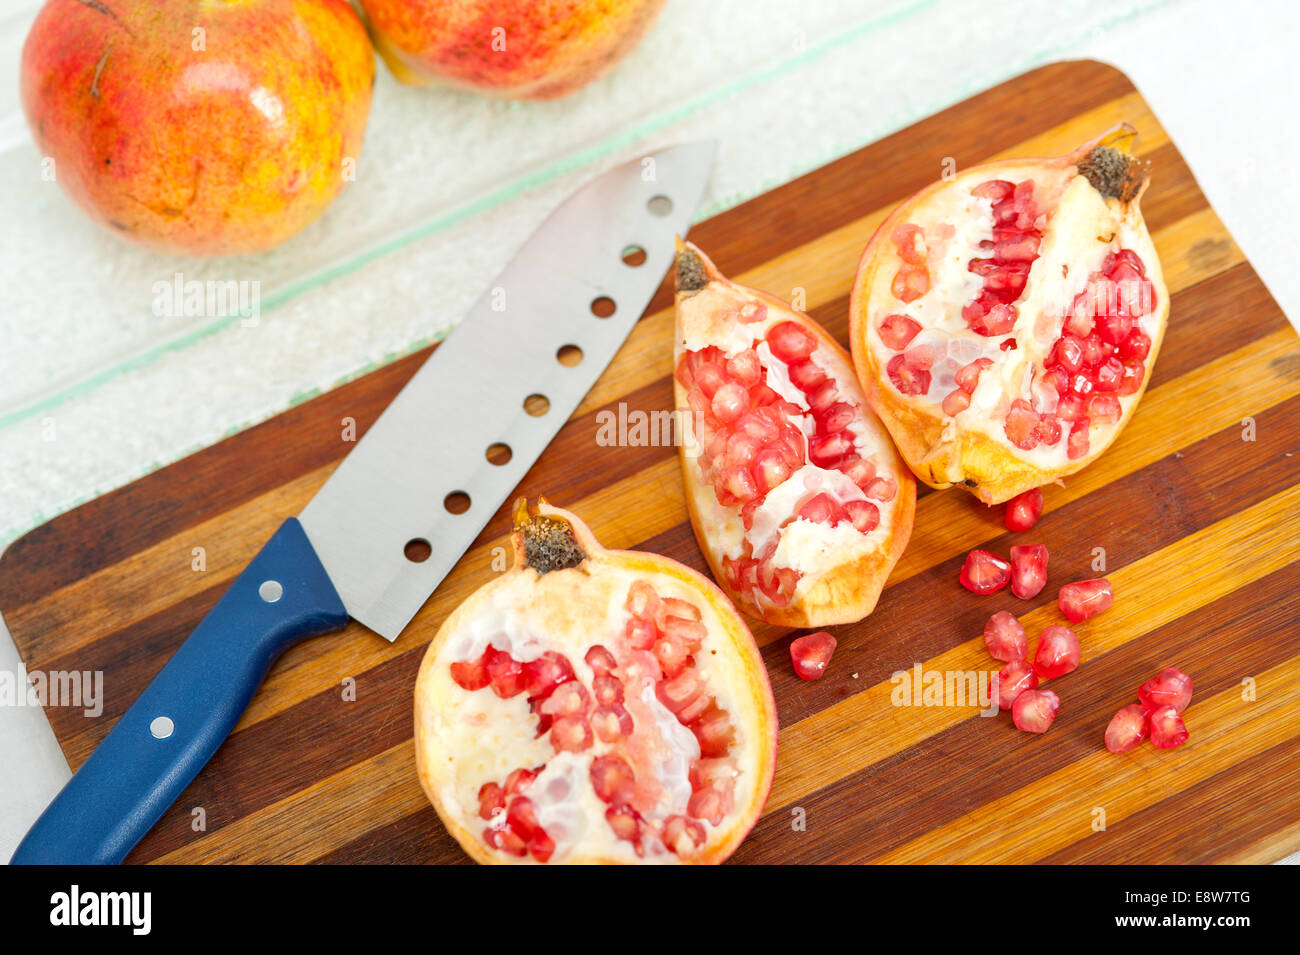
(633, 255)
(603, 307)
(417, 550)
(457, 502)
(499, 454)
(537, 405)
(659, 205)
(569, 355)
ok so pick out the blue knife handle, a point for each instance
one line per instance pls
(133, 776)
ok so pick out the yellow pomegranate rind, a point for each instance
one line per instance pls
(939, 454)
(567, 600)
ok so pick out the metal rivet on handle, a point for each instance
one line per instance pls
(162, 727)
(270, 591)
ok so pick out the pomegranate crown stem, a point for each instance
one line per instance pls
(544, 543)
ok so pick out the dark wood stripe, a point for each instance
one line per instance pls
(868, 813)
(417, 839)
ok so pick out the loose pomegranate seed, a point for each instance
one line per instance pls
(896, 331)
(1005, 637)
(507, 674)
(1013, 679)
(811, 653)
(1167, 728)
(1127, 728)
(984, 573)
(1085, 598)
(1058, 652)
(1028, 570)
(472, 675)
(1171, 687)
(1034, 710)
(1023, 510)
(790, 342)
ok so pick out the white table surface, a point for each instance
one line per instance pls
(783, 86)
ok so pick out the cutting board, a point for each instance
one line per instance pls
(1195, 511)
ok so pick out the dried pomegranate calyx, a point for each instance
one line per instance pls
(549, 543)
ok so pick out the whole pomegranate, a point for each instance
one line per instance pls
(592, 705)
(1005, 321)
(199, 128)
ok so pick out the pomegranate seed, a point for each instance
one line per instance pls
(544, 674)
(567, 699)
(984, 573)
(995, 189)
(1167, 728)
(955, 402)
(1085, 598)
(1136, 346)
(826, 394)
(1013, 679)
(507, 674)
(472, 675)
(640, 633)
(790, 342)
(1104, 409)
(998, 320)
(1127, 728)
(521, 817)
(612, 780)
(1028, 570)
(881, 489)
(1110, 374)
(570, 734)
(607, 689)
(519, 780)
(541, 846)
(864, 515)
(836, 418)
(677, 693)
(1068, 353)
(625, 821)
(611, 722)
(600, 660)
(1034, 710)
(810, 654)
(745, 368)
(910, 283)
(491, 800)
(860, 472)
(1071, 407)
(672, 653)
(1005, 637)
(1171, 687)
(907, 380)
(642, 601)
(714, 733)
(967, 376)
(896, 331)
(1023, 510)
(682, 835)
(730, 402)
(1058, 653)
(1077, 444)
(1022, 421)
(507, 840)
(820, 509)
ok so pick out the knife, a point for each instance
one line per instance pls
(404, 505)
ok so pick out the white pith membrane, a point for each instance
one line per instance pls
(477, 737)
(724, 317)
(1081, 228)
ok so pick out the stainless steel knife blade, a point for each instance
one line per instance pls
(432, 439)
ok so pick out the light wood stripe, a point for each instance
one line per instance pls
(1151, 592)
(1057, 810)
(860, 730)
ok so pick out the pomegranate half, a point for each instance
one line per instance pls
(594, 706)
(1005, 321)
(798, 498)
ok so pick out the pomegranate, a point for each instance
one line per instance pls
(1024, 510)
(798, 498)
(1005, 637)
(1005, 321)
(811, 653)
(1034, 710)
(1127, 728)
(1167, 729)
(1171, 687)
(1085, 598)
(1028, 570)
(1057, 654)
(591, 705)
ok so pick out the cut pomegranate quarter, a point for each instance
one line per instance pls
(591, 705)
(798, 498)
(1005, 321)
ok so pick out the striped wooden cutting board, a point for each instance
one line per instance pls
(1199, 528)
